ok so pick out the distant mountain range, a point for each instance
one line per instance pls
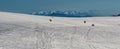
(68, 13)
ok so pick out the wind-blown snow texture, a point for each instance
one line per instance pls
(20, 31)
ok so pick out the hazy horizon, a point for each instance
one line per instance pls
(27, 6)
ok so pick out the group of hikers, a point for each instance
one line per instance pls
(84, 22)
(91, 25)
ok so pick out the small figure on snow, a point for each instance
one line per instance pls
(50, 20)
(84, 21)
(93, 24)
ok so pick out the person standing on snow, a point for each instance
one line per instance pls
(50, 20)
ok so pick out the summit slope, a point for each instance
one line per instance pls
(22, 31)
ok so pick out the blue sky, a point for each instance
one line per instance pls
(36, 5)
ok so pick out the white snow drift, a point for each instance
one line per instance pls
(21, 31)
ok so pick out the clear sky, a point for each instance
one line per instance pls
(35, 5)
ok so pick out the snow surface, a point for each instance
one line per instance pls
(22, 31)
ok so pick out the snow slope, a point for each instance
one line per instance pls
(22, 31)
